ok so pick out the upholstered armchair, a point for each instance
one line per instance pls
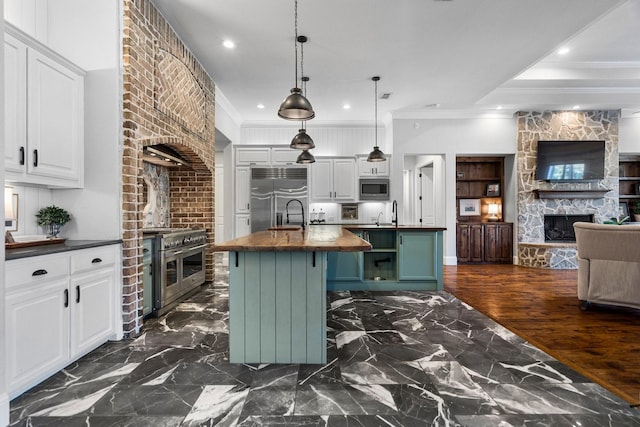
(608, 264)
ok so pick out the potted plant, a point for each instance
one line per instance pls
(53, 217)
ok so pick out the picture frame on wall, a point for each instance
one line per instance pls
(469, 207)
(493, 189)
(623, 210)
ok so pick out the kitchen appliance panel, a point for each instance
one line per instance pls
(271, 190)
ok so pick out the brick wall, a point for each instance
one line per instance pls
(168, 99)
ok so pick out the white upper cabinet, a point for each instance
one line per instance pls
(370, 169)
(253, 156)
(284, 156)
(333, 180)
(44, 115)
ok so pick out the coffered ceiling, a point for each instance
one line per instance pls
(434, 57)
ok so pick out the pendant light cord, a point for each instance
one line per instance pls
(376, 111)
(295, 39)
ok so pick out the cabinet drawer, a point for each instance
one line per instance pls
(92, 259)
(36, 269)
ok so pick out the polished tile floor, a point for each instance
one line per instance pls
(395, 359)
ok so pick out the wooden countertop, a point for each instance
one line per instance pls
(324, 238)
(391, 227)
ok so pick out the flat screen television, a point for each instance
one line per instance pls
(570, 160)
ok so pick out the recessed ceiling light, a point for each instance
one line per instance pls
(260, 106)
(228, 44)
(576, 107)
(563, 50)
(499, 107)
(346, 106)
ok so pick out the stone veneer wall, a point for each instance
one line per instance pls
(168, 99)
(560, 125)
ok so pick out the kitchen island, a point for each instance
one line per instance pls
(402, 258)
(277, 292)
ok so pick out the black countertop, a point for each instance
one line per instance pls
(69, 245)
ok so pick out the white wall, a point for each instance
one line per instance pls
(4, 397)
(629, 135)
(329, 140)
(450, 138)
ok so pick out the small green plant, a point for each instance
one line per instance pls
(53, 217)
(635, 208)
(617, 221)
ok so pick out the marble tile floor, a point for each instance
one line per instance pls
(395, 359)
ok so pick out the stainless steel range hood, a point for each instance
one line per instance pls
(163, 155)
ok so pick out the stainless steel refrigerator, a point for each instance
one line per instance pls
(271, 191)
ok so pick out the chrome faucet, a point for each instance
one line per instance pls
(378, 219)
(302, 211)
(394, 211)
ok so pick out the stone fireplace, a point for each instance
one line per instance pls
(559, 228)
(546, 209)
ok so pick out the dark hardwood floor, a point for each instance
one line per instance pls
(541, 306)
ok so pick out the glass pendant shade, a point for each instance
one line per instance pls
(296, 107)
(302, 141)
(376, 155)
(305, 157)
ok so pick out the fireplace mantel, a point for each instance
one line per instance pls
(570, 194)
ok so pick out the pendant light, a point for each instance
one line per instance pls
(305, 157)
(302, 141)
(296, 106)
(376, 155)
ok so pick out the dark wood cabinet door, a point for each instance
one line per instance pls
(462, 243)
(498, 243)
(476, 243)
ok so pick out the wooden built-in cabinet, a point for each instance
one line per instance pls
(484, 242)
(481, 238)
(630, 180)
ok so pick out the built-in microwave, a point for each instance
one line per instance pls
(374, 189)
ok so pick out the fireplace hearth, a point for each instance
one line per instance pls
(559, 228)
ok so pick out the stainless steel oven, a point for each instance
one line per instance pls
(179, 265)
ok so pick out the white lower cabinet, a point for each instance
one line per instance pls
(58, 308)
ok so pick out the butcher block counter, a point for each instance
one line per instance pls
(326, 238)
(277, 292)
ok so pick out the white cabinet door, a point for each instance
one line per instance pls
(92, 316)
(243, 189)
(322, 180)
(344, 179)
(243, 225)
(253, 156)
(37, 330)
(284, 156)
(55, 103)
(15, 104)
(44, 115)
(369, 169)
